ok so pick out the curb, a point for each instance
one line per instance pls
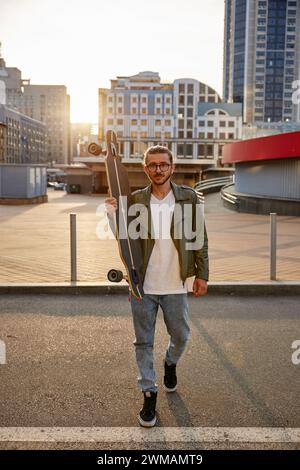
(105, 288)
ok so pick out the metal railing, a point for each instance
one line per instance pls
(213, 183)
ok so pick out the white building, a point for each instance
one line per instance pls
(187, 116)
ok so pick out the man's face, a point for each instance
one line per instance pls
(159, 174)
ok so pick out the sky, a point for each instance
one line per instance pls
(84, 43)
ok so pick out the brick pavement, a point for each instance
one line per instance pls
(35, 242)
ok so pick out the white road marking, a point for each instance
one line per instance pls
(157, 434)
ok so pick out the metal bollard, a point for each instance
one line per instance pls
(273, 248)
(73, 247)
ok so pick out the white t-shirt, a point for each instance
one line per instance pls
(163, 270)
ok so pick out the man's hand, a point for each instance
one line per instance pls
(199, 287)
(111, 204)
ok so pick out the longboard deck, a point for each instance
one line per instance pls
(129, 249)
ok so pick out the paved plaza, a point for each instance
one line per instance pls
(35, 242)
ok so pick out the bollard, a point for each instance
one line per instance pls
(273, 248)
(73, 247)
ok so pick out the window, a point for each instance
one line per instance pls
(189, 134)
(222, 123)
(190, 88)
(222, 135)
(201, 123)
(210, 135)
(201, 135)
(189, 149)
(180, 135)
(210, 123)
(120, 110)
(231, 124)
(120, 122)
(230, 136)
(167, 122)
(201, 150)
(181, 88)
(133, 110)
(210, 150)
(190, 100)
(157, 122)
(180, 123)
(144, 122)
(144, 111)
(134, 122)
(110, 122)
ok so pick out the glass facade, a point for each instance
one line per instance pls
(227, 49)
(239, 50)
(275, 55)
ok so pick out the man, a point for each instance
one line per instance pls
(167, 264)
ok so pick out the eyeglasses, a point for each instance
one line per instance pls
(162, 166)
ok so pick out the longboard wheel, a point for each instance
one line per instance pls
(95, 149)
(115, 276)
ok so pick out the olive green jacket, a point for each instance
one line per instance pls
(192, 262)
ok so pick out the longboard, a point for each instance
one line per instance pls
(118, 182)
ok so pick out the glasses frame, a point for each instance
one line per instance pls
(159, 166)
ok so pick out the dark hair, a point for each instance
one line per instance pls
(157, 149)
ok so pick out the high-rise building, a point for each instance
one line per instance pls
(262, 58)
(186, 115)
(49, 104)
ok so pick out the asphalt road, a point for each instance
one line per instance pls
(70, 362)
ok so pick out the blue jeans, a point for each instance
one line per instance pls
(144, 312)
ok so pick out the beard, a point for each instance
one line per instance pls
(160, 181)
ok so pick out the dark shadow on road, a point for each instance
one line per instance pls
(270, 418)
(179, 410)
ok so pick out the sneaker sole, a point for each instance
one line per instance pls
(170, 390)
(147, 424)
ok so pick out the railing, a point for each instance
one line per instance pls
(213, 183)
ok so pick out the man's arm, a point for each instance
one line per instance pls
(202, 264)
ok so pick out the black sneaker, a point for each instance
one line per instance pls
(147, 416)
(170, 378)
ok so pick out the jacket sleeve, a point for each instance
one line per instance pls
(201, 255)
(201, 259)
